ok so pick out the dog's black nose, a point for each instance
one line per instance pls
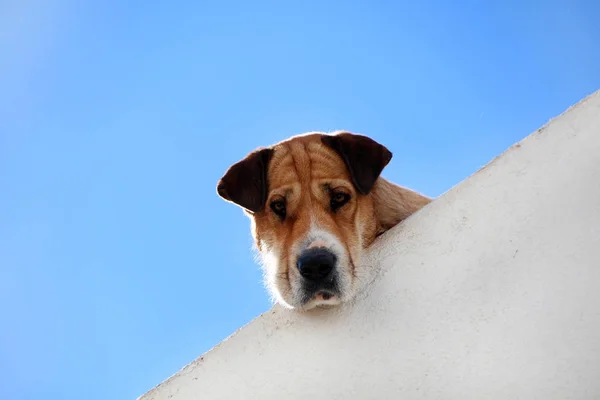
(316, 264)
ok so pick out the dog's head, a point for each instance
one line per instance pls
(311, 204)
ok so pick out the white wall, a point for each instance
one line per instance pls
(490, 292)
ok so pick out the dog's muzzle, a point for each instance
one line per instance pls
(317, 266)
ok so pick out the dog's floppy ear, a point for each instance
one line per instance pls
(245, 182)
(364, 157)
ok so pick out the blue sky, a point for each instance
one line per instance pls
(119, 264)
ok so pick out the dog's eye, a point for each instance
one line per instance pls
(278, 207)
(338, 199)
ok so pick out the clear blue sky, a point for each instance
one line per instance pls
(119, 264)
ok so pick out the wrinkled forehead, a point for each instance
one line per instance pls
(303, 160)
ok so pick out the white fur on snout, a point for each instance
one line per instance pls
(277, 284)
(317, 237)
(318, 243)
(284, 282)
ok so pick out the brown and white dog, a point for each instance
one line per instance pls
(315, 202)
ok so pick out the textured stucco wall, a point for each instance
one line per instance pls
(490, 292)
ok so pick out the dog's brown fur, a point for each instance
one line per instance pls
(304, 173)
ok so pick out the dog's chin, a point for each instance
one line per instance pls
(309, 298)
(323, 300)
(302, 301)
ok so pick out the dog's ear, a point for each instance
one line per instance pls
(364, 157)
(245, 182)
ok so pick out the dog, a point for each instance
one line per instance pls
(316, 201)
